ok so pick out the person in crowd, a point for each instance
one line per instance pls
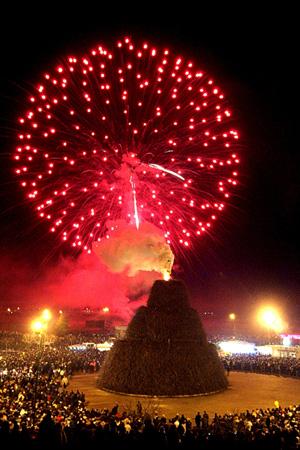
(198, 420)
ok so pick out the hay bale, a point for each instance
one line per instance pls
(165, 350)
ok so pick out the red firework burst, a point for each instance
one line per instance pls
(134, 133)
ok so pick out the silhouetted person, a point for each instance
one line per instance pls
(198, 419)
(205, 420)
(115, 409)
(228, 369)
(48, 432)
(139, 408)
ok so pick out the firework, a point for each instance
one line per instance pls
(131, 133)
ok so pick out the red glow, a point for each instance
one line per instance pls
(146, 102)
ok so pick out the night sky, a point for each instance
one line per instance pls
(254, 55)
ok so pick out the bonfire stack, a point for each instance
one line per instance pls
(165, 351)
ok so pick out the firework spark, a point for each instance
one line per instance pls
(136, 215)
(157, 166)
(130, 133)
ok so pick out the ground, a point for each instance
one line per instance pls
(246, 391)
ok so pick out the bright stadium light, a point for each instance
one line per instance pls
(270, 318)
(38, 326)
(46, 315)
(237, 347)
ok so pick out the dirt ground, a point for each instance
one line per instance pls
(246, 391)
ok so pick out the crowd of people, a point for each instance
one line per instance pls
(289, 367)
(38, 411)
(20, 341)
(33, 387)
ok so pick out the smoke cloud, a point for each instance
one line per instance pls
(118, 274)
(132, 250)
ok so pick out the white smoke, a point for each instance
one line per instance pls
(134, 250)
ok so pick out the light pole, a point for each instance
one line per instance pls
(39, 328)
(232, 318)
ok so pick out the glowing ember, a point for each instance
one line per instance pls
(133, 133)
(166, 276)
